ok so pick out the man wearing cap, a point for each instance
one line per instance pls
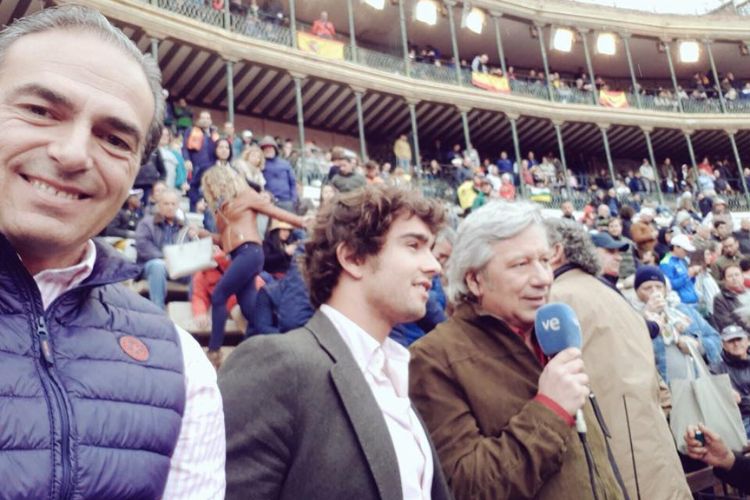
(679, 324)
(619, 359)
(609, 252)
(126, 220)
(736, 363)
(675, 267)
(280, 180)
(644, 232)
(627, 266)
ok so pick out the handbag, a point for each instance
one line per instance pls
(188, 257)
(708, 399)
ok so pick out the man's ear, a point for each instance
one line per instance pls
(473, 284)
(351, 264)
(558, 256)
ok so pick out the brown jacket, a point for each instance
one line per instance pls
(619, 360)
(644, 236)
(474, 381)
(237, 222)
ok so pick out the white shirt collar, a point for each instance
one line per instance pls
(369, 354)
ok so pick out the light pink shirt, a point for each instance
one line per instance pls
(197, 466)
(386, 370)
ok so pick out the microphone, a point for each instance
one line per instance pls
(557, 328)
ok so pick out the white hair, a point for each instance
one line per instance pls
(494, 222)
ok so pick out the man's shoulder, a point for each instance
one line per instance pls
(296, 348)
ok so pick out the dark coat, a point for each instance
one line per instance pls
(302, 423)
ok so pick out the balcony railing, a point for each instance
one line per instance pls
(276, 30)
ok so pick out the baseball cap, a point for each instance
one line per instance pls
(733, 332)
(682, 241)
(136, 192)
(648, 273)
(604, 240)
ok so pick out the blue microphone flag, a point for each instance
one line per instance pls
(557, 328)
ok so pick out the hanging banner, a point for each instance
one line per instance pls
(613, 99)
(323, 47)
(493, 83)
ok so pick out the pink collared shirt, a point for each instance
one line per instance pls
(197, 466)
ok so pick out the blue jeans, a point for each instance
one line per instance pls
(238, 279)
(155, 271)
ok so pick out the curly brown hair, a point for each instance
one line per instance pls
(360, 219)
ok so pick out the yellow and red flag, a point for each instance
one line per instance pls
(493, 83)
(613, 99)
(323, 47)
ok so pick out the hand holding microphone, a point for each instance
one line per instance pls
(563, 379)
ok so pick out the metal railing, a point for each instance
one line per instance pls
(274, 30)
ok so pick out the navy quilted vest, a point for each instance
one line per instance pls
(80, 418)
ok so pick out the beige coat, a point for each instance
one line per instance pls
(619, 360)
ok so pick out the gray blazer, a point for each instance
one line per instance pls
(302, 423)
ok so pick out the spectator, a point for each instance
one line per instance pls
(128, 217)
(627, 266)
(236, 141)
(103, 397)
(347, 179)
(284, 304)
(198, 148)
(280, 180)
(372, 173)
(479, 63)
(489, 341)
(494, 178)
(647, 176)
(175, 175)
(504, 164)
(743, 236)
(610, 253)
(678, 324)
(681, 277)
(278, 247)
(151, 235)
(202, 286)
(736, 363)
(730, 255)
(183, 116)
(402, 151)
(728, 301)
(734, 468)
(643, 232)
(507, 190)
(567, 210)
(236, 207)
(626, 385)
(251, 165)
(323, 27)
(316, 388)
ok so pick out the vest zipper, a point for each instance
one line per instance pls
(48, 361)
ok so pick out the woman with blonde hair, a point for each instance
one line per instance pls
(236, 207)
(251, 164)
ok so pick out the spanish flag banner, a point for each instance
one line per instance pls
(493, 83)
(613, 99)
(323, 47)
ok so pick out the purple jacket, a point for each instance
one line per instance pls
(92, 390)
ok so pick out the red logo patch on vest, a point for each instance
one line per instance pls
(134, 348)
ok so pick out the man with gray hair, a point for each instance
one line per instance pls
(499, 412)
(102, 397)
(620, 362)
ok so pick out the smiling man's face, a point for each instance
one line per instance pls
(74, 125)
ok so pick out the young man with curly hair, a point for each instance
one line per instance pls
(324, 411)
